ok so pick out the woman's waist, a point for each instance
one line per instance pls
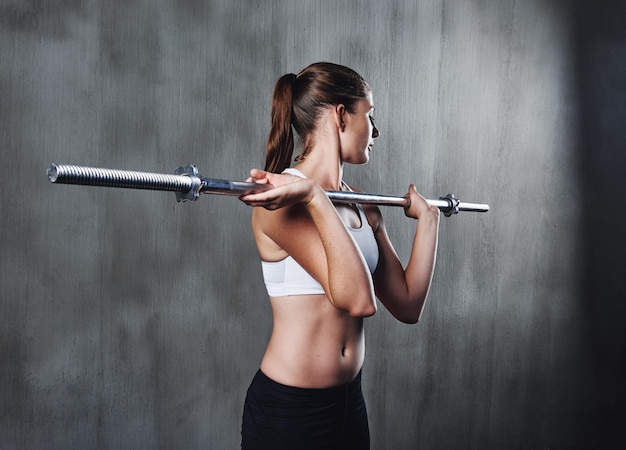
(310, 375)
(320, 362)
(331, 393)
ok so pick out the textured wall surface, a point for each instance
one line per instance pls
(131, 321)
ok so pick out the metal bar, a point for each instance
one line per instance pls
(188, 185)
(443, 203)
(371, 199)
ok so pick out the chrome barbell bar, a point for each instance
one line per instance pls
(188, 185)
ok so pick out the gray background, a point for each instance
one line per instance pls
(130, 321)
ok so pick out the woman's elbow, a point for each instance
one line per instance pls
(408, 316)
(411, 310)
(364, 309)
(409, 319)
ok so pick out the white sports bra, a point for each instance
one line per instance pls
(287, 277)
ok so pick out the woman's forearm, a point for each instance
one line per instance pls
(421, 265)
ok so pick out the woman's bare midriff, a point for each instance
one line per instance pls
(313, 344)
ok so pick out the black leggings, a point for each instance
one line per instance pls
(279, 417)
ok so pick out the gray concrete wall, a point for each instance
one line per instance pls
(131, 321)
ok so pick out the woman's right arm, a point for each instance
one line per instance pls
(300, 219)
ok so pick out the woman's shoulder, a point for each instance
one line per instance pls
(374, 216)
(289, 221)
(372, 212)
(285, 231)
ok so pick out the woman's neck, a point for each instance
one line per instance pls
(328, 173)
(323, 162)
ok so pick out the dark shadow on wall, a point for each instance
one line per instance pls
(601, 64)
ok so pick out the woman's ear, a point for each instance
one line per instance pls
(340, 116)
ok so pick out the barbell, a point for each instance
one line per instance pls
(188, 185)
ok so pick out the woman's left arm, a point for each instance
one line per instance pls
(404, 291)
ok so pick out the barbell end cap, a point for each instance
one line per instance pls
(53, 173)
(453, 207)
(192, 194)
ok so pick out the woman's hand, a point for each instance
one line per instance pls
(418, 206)
(287, 190)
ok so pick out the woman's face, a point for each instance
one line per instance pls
(357, 137)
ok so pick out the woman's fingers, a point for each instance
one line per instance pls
(418, 204)
(287, 190)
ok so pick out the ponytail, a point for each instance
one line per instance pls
(280, 143)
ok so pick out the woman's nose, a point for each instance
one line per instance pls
(375, 132)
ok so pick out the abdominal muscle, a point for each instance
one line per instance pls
(313, 344)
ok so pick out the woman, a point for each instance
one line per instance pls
(324, 265)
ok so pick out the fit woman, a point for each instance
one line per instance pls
(324, 265)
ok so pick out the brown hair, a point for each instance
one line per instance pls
(298, 101)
